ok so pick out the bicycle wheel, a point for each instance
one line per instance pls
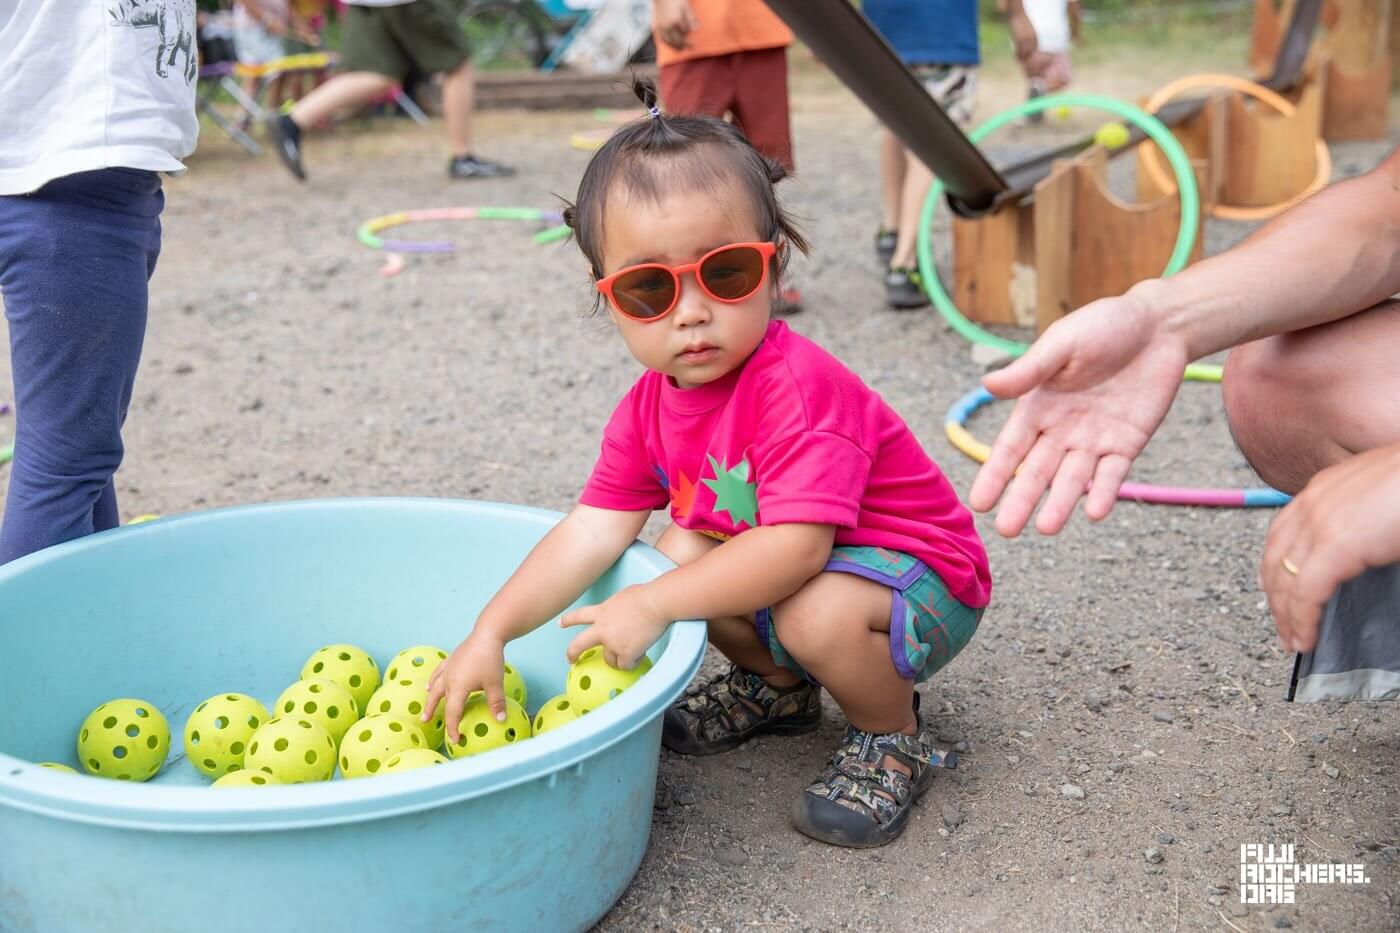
(504, 34)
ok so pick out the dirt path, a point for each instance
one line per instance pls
(1132, 662)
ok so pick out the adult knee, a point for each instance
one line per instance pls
(1274, 392)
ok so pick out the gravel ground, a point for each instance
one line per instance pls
(1120, 714)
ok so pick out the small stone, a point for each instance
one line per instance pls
(1117, 766)
(1215, 900)
(184, 369)
(744, 764)
(1094, 704)
(1162, 717)
(952, 816)
(1332, 772)
(1318, 738)
(1013, 759)
(732, 856)
(1285, 809)
(989, 357)
(1166, 839)
(974, 887)
(1024, 734)
(1072, 791)
(1148, 754)
(1154, 855)
(1282, 923)
(961, 748)
(1083, 769)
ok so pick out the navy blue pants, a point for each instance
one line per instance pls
(75, 259)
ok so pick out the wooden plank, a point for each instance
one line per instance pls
(556, 90)
(985, 252)
(1358, 45)
(1054, 241)
(1269, 157)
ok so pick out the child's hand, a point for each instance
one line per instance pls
(625, 624)
(477, 664)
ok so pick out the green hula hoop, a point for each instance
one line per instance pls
(1185, 238)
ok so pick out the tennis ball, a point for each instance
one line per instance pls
(217, 732)
(407, 698)
(374, 740)
(1060, 113)
(292, 749)
(480, 732)
(1111, 135)
(348, 666)
(515, 685)
(416, 663)
(413, 759)
(124, 739)
(556, 712)
(55, 766)
(323, 701)
(593, 682)
(246, 779)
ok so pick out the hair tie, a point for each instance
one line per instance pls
(655, 112)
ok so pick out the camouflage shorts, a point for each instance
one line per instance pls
(953, 86)
(928, 625)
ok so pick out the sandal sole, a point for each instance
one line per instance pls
(679, 740)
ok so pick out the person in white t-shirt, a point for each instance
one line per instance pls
(1042, 31)
(96, 98)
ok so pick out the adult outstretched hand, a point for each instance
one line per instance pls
(1092, 390)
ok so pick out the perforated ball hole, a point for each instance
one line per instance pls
(281, 745)
(253, 721)
(344, 656)
(384, 706)
(333, 712)
(314, 688)
(133, 730)
(585, 682)
(310, 707)
(344, 762)
(303, 723)
(94, 764)
(311, 757)
(236, 748)
(221, 722)
(152, 741)
(318, 667)
(562, 705)
(355, 680)
(481, 730)
(372, 766)
(84, 736)
(289, 706)
(200, 707)
(109, 722)
(510, 735)
(233, 698)
(141, 711)
(209, 764)
(395, 726)
(253, 749)
(366, 735)
(257, 779)
(415, 707)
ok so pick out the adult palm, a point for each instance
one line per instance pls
(1092, 390)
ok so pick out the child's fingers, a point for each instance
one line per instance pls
(452, 712)
(580, 616)
(585, 640)
(496, 698)
(435, 693)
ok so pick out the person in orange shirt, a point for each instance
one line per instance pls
(719, 57)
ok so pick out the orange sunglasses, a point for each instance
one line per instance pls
(650, 291)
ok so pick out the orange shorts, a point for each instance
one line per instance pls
(750, 85)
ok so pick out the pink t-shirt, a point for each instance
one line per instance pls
(790, 436)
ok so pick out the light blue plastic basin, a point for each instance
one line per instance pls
(543, 835)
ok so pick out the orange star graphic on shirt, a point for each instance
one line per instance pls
(683, 499)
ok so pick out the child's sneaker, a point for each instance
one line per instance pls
(470, 166)
(904, 289)
(286, 139)
(859, 801)
(728, 710)
(885, 243)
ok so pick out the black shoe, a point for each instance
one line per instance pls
(1036, 90)
(470, 166)
(286, 139)
(885, 242)
(904, 290)
(726, 711)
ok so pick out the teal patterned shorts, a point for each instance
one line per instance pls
(928, 626)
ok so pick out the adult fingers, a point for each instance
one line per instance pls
(1026, 488)
(1012, 444)
(1046, 357)
(1070, 483)
(1108, 477)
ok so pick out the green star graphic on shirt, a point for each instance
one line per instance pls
(733, 491)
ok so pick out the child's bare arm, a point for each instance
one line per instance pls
(565, 563)
(753, 570)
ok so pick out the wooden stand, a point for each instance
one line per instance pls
(1247, 154)
(1074, 243)
(1355, 56)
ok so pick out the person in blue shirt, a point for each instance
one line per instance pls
(937, 39)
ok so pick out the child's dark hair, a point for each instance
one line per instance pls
(647, 153)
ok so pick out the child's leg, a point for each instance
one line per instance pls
(838, 628)
(75, 258)
(893, 164)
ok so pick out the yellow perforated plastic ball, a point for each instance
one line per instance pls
(480, 732)
(124, 739)
(416, 663)
(351, 667)
(593, 682)
(218, 731)
(292, 749)
(413, 759)
(246, 778)
(515, 686)
(321, 700)
(557, 711)
(374, 740)
(407, 698)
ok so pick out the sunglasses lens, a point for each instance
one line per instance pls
(733, 274)
(645, 293)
